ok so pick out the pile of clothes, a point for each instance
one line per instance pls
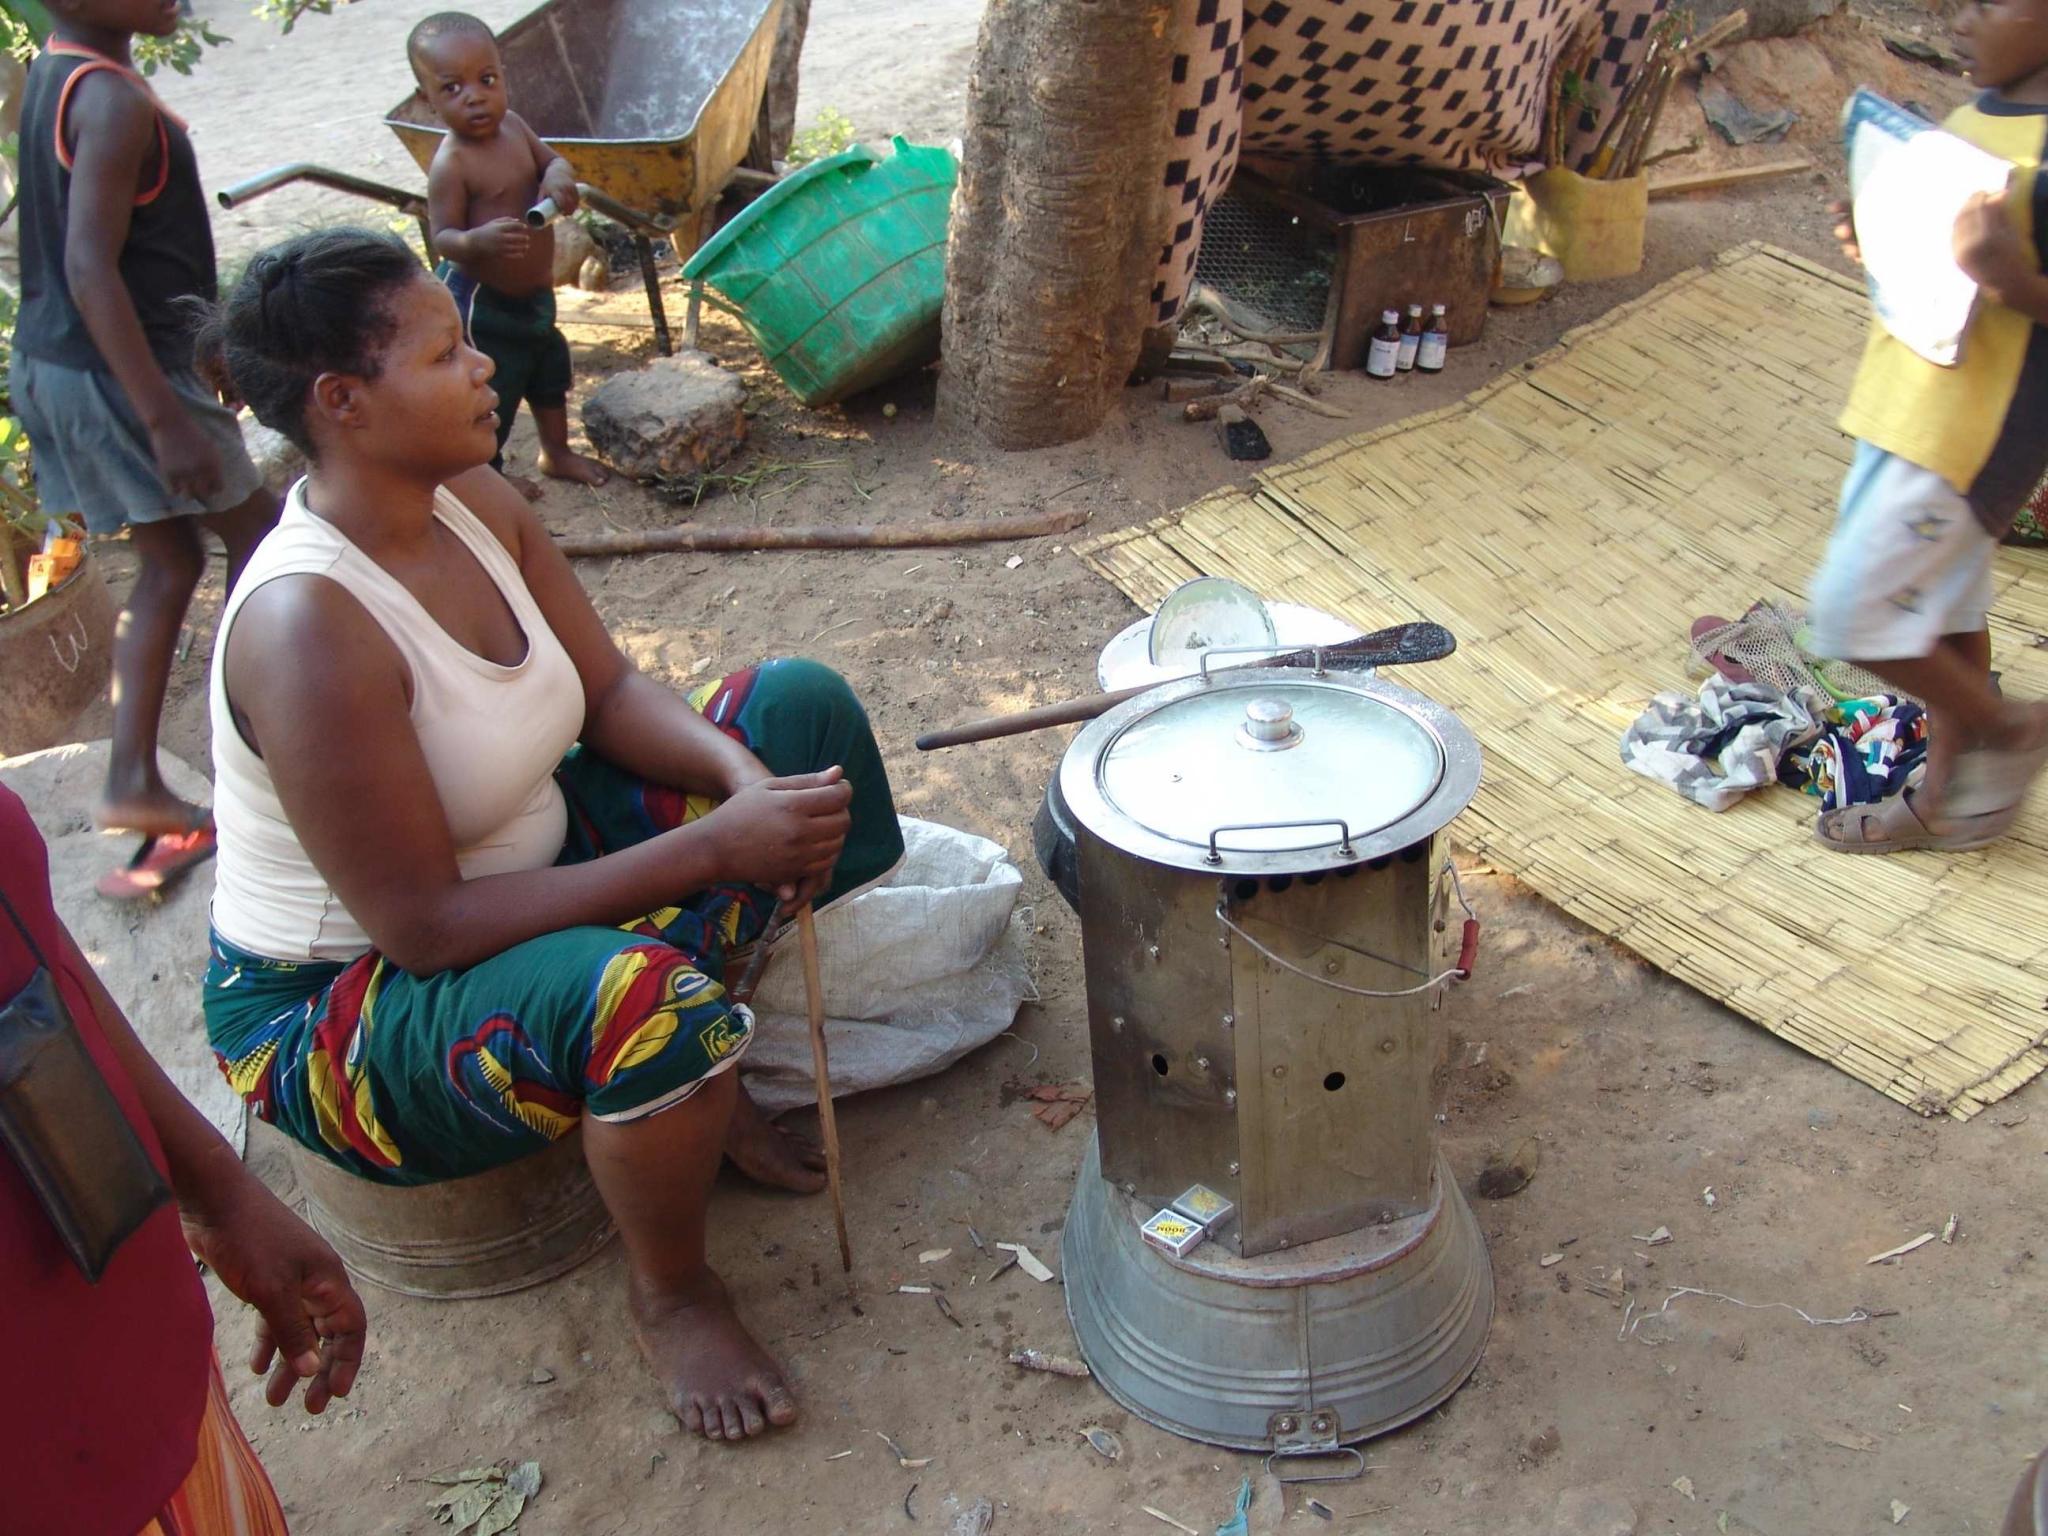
(1736, 737)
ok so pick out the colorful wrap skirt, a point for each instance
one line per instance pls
(408, 1079)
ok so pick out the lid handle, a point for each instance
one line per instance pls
(1215, 853)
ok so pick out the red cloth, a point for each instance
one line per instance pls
(101, 1387)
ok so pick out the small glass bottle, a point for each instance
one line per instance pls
(1436, 341)
(1411, 340)
(1385, 351)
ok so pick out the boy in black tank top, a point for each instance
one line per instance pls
(114, 237)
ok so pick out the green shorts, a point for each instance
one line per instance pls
(408, 1079)
(518, 335)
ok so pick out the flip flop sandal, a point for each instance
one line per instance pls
(159, 864)
(1734, 671)
(1899, 828)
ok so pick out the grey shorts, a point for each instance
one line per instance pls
(92, 453)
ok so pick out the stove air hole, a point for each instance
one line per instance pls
(1334, 1081)
(1159, 1063)
(1247, 889)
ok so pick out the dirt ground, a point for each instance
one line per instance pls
(1631, 1094)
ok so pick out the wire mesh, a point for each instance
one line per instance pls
(1266, 262)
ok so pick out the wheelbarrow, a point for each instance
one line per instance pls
(656, 103)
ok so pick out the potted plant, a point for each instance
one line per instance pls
(56, 637)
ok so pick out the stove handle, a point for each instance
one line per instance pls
(1215, 854)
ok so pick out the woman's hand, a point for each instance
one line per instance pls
(312, 1322)
(785, 834)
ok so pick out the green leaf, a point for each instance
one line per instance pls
(524, 1479)
(502, 1515)
(475, 1503)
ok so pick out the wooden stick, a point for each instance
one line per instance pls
(1306, 402)
(1733, 176)
(1416, 641)
(814, 996)
(1656, 116)
(975, 530)
(1209, 406)
(1725, 30)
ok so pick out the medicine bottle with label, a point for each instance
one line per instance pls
(1411, 340)
(1436, 341)
(1384, 354)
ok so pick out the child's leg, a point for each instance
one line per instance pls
(241, 528)
(558, 461)
(1904, 592)
(548, 394)
(136, 798)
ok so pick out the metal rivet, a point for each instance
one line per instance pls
(1387, 1046)
(1152, 950)
(1130, 1189)
(1329, 967)
(1279, 1071)
(1202, 1062)
(1320, 1424)
(1232, 1169)
(1285, 1426)
(1229, 1021)
(1230, 1095)
(1117, 1023)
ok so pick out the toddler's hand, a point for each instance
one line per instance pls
(506, 239)
(1845, 230)
(1987, 247)
(562, 188)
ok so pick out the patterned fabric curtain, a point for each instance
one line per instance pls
(1445, 84)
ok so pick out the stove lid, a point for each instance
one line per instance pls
(1270, 770)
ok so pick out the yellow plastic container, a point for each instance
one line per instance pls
(1594, 228)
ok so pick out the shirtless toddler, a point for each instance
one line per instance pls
(489, 170)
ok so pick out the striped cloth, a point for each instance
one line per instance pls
(228, 1493)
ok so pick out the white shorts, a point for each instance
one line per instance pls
(1908, 562)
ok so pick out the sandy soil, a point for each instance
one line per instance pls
(1634, 1094)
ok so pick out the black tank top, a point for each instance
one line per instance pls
(169, 252)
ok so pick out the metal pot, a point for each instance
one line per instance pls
(1266, 929)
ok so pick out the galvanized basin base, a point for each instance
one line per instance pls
(1318, 1346)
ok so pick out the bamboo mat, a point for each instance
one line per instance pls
(1677, 457)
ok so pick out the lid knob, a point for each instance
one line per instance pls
(1269, 725)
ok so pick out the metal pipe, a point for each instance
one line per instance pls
(320, 176)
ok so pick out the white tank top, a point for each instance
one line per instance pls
(492, 736)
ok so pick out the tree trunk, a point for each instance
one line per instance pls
(775, 124)
(1060, 214)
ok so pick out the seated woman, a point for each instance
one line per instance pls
(479, 878)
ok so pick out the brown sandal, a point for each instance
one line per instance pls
(1893, 826)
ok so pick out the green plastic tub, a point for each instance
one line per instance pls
(839, 270)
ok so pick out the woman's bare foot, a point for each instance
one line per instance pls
(769, 1154)
(568, 464)
(719, 1382)
(152, 812)
(525, 485)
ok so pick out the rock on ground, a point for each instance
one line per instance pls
(1603, 1509)
(679, 415)
(574, 247)
(1768, 18)
(275, 454)
(151, 954)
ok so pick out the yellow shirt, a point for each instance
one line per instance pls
(1983, 424)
